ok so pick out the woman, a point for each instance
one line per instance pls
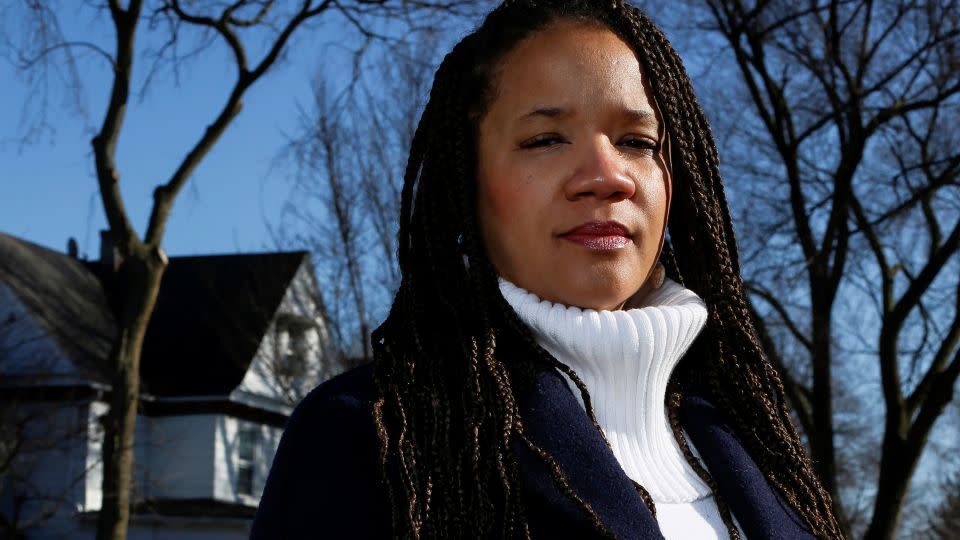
(537, 376)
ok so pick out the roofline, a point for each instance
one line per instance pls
(225, 406)
(300, 252)
(151, 406)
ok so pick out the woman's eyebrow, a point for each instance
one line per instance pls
(642, 116)
(545, 112)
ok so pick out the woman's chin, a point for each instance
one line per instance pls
(598, 290)
(600, 299)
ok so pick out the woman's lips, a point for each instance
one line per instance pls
(599, 235)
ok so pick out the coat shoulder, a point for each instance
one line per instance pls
(325, 477)
(352, 390)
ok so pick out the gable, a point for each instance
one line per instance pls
(210, 319)
(291, 358)
(211, 315)
(64, 299)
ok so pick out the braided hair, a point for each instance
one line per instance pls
(452, 355)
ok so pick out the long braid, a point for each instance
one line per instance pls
(446, 415)
(785, 453)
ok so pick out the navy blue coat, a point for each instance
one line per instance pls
(325, 479)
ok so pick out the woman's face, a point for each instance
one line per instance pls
(573, 188)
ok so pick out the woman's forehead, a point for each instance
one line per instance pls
(571, 68)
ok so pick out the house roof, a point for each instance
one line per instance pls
(66, 300)
(211, 314)
(210, 317)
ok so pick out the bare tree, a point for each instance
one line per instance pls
(243, 27)
(836, 119)
(944, 520)
(348, 158)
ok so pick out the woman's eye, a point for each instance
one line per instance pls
(641, 143)
(542, 141)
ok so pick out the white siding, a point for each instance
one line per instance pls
(148, 446)
(176, 457)
(260, 386)
(181, 457)
(173, 458)
(93, 460)
(225, 473)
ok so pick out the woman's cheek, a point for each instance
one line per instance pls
(506, 193)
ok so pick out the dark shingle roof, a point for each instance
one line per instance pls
(211, 314)
(210, 317)
(65, 299)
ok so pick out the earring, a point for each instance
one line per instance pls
(657, 275)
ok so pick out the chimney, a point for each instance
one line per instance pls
(72, 249)
(109, 255)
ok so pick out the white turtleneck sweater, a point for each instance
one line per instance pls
(625, 359)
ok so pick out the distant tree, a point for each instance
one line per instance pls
(348, 158)
(256, 33)
(945, 521)
(837, 125)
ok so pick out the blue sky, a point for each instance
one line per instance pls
(48, 190)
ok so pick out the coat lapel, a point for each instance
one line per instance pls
(759, 509)
(554, 420)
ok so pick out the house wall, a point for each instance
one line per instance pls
(226, 459)
(176, 457)
(93, 457)
(25, 347)
(50, 469)
(179, 457)
(154, 528)
(166, 528)
(260, 386)
(264, 385)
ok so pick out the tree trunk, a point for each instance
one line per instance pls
(138, 284)
(822, 448)
(891, 491)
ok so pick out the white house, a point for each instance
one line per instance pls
(234, 342)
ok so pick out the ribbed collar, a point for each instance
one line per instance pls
(625, 359)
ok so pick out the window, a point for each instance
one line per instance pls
(297, 350)
(248, 438)
(296, 347)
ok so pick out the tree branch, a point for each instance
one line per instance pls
(165, 194)
(221, 26)
(26, 63)
(800, 395)
(105, 142)
(782, 312)
(935, 371)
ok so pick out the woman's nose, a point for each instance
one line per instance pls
(600, 173)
